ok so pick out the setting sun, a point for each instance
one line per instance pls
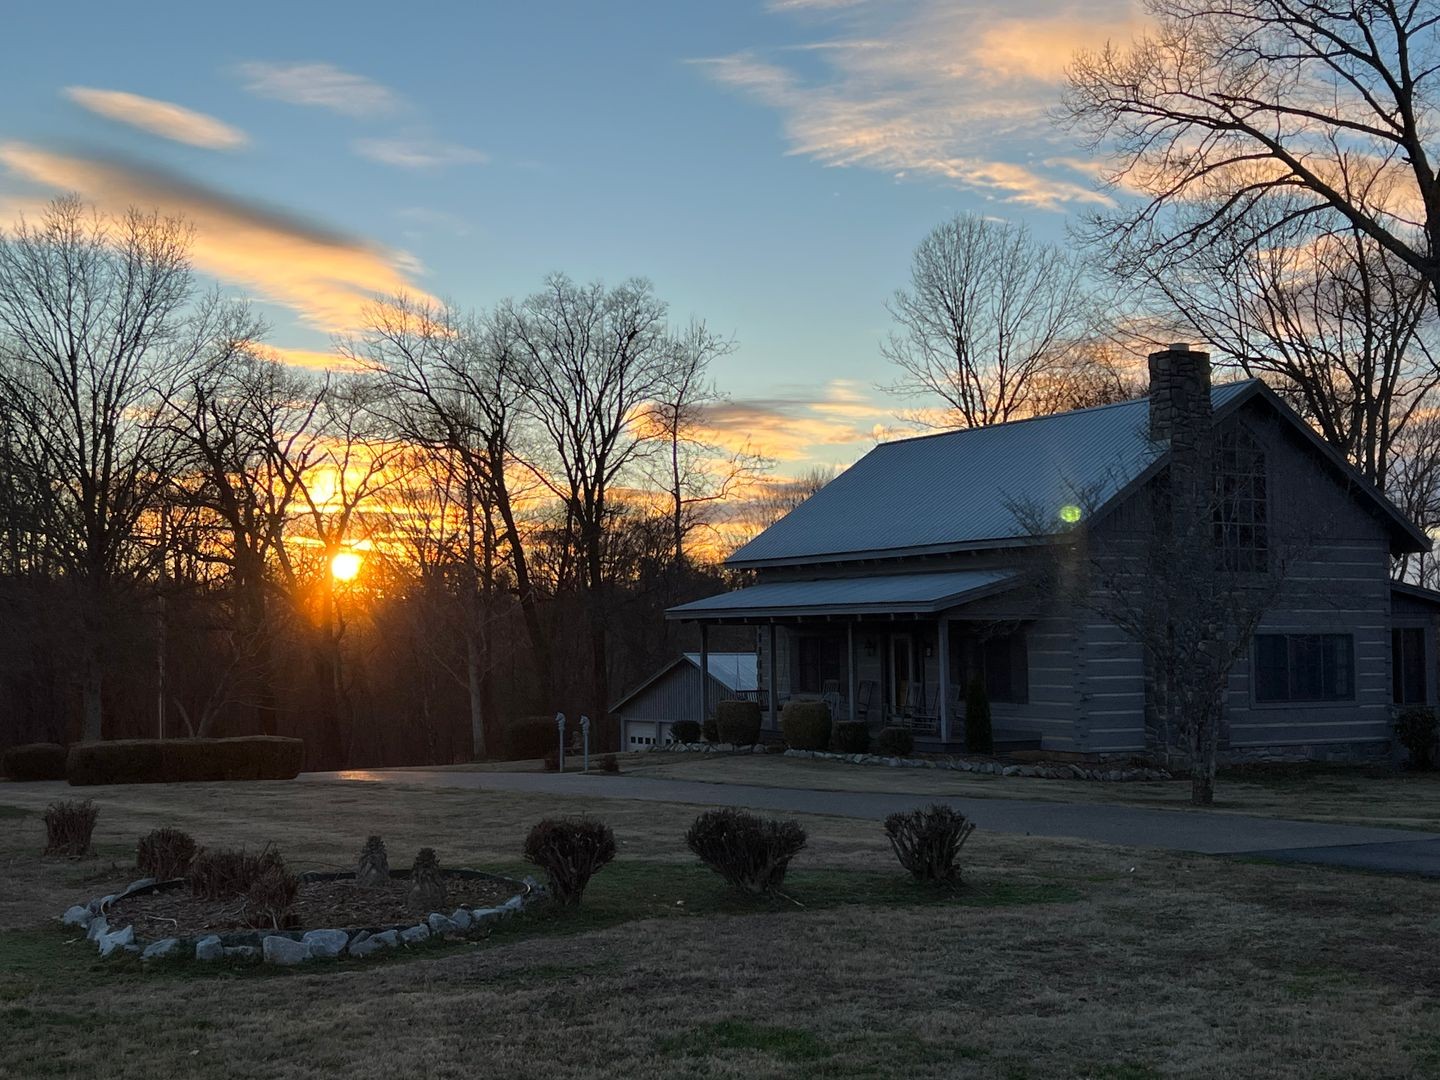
(345, 565)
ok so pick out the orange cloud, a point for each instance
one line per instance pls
(838, 425)
(163, 118)
(315, 360)
(327, 278)
(934, 90)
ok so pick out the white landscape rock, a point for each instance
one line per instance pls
(247, 953)
(116, 940)
(461, 918)
(209, 948)
(159, 950)
(98, 928)
(284, 951)
(77, 916)
(415, 934)
(326, 944)
(441, 924)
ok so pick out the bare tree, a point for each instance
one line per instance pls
(990, 315)
(695, 472)
(97, 320)
(1223, 106)
(592, 362)
(449, 386)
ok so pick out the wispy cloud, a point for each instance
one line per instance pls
(801, 427)
(328, 278)
(409, 153)
(935, 90)
(315, 360)
(320, 85)
(163, 118)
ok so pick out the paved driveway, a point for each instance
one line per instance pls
(1362, 847)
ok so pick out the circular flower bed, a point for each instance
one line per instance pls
(334, 917)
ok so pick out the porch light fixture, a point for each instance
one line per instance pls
(1070, 514)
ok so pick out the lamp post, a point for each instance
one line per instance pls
(585, 733)
(560, 724)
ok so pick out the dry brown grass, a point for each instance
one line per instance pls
(1404, 800)
(1162, 966)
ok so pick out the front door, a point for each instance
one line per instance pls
(902, 670)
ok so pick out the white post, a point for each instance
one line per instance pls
(850, 667)
(704, 673)
(560, 726)
(943, 648)
(771, 690)
(585, 733)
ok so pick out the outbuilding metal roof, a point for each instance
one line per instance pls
(736, 671)
(998, 485)
(880, 594)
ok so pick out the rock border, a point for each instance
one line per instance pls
(1051, 771)
(287, 948)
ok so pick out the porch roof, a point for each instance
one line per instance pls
(878, 594)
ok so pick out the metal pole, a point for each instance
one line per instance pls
(704, 673)
(585, 733)
(560, 724)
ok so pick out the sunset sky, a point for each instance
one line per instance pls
(769, 166)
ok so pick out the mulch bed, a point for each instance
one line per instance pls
(321, 905)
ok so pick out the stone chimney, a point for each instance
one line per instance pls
(1179, 394)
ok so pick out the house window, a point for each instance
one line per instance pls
(1242, 527)
(1000, 660)
(820, 659)
(1304, 667)
(1408, 665)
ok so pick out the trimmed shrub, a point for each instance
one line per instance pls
(609, 764)
(1417, 731)
(34, 761)
(372, 868)
(164, 854)
(979, 738)
(166, 761)
(270, 900)
(427, 884)
(749, 852)
(851, 738)
(529, 737)
(69, 826)
(570, 851)
(686, 731)
(738, 722)
(229, 872)
(710, 730)
(895, 742)
(927, 842)
(806, 725)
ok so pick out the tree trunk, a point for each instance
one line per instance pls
(475, 672)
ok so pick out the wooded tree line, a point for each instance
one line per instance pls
(525, 489)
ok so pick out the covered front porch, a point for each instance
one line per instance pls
(887, 651)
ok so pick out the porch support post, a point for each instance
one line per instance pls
(943, 648)
(772, 691)
(704, 672)
(850, 666)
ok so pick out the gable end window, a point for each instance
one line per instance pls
(1241, 515)
(1304, 667)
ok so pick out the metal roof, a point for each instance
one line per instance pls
(878, 594)
(737, 671)
(995, 485)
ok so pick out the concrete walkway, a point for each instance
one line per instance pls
(1206, 832)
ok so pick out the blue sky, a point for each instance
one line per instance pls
(769, 166)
